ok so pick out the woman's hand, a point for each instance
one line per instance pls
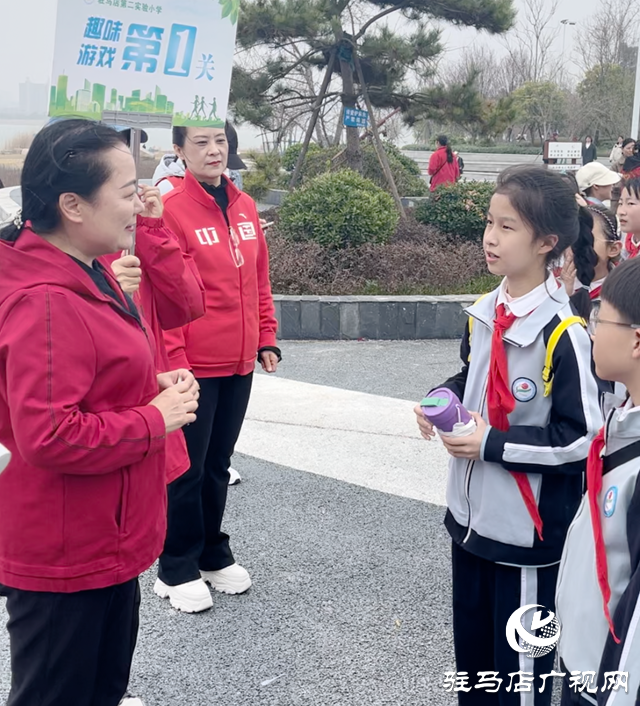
(569, 272)
(177, 404)
(128, 273)
(269, 361)
(167, 380)
(425, 426)
(152, 200)
(467, 446)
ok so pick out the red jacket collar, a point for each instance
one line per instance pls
(193, 187)
(32, 261)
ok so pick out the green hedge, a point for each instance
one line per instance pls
(338, 210)
(458, 209)
(319, 160)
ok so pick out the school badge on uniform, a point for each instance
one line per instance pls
(524, 390)
(610, 501)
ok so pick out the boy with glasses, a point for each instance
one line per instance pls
(599, 581)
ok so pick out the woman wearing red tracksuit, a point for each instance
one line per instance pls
(218, 226)
(443, 164)
(166, 286)
(85, 416)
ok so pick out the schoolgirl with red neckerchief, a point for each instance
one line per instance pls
(598, 596)
(515, 484)
(629, 217)
(607, 246)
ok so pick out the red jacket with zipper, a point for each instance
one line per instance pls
(83, 500)
(171, 294)
(441, 171)
(240, 316)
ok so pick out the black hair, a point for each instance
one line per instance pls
(444, 141)
(633, 186)
(66, 156)
(570, 179)
(608, 219)
(179, 134)
(627, 141)
(546, 201)
(620, 289)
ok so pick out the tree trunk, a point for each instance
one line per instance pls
(353, 154)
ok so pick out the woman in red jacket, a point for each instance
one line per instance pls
(85, 416)
(166, 287)
(443, 164)
(218, 226)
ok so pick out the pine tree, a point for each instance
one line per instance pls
(342, 32)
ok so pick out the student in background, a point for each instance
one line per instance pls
(629, 217)
(515, 483)
(598, 595)
(589, 153)
(443, 165)
(595, 181)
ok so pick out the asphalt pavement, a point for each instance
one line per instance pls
(339, 520)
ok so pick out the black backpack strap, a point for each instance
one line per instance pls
(620, 457)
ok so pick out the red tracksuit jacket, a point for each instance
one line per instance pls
(83, 500)
(240, 316)
(171, 294)
(441, 171)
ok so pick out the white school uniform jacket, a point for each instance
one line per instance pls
(585, 641)
(549, 437)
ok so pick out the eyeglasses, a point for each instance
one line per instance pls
(234, 247)
(595, 320)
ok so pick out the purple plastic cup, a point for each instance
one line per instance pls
(444, 410)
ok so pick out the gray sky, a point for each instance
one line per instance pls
(26, 47)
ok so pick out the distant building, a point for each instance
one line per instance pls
(33, 98)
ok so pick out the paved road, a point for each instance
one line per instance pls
(339, 520)
(484, 167)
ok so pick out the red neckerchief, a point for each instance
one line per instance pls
(594, 486)
(630, 246)
(595, 293)
(501, 402)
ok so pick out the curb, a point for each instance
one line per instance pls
(389, 318)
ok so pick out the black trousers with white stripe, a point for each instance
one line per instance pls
(485, 594)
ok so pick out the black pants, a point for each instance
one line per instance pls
(71, 648)
(485, 594)
(197, 499)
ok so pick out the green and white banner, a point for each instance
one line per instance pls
(170, 61)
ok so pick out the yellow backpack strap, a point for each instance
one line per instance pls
(547, 371)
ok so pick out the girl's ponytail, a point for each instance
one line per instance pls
(443, 140)
(585, 260)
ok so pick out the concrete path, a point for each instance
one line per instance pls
(339, 521)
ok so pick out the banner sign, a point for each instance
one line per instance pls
(168, 60)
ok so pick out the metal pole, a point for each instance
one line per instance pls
(135, 151)
(636, 101)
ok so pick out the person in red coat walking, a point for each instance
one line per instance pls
(85, 416)
(166, 287)
(218, 225)
(443, 164)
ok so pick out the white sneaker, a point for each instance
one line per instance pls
(234, 476)
(191, 597)
(131, 701)
(232, 579)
